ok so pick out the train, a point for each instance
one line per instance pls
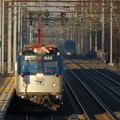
(67, 48)
(39, 77)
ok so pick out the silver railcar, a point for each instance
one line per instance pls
(39, 78)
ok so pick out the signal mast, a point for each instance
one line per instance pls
(39, 30)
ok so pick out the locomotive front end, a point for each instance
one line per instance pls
(40, 79)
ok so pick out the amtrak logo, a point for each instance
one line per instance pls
(39, 82)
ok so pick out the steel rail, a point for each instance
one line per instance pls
(104, 76)
(51, 117)
(98, 99)
(113, 81)
(114, 92)
(27, 117)
(80, 104)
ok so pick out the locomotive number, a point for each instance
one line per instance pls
(48, 58)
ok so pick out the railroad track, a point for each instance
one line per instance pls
(31, 116)
(89, 92)
(39, 117)
(112, 84)
(92, 93)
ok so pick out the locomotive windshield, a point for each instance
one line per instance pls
(50, 67)
(29, 67)
(70, 45)
(46, 67)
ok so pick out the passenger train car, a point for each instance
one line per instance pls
(67, 48)
(39, 78)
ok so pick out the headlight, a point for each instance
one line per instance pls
(39, 75)
(54, 84)
(68, 53)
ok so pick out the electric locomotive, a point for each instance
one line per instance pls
(39, 78)
(67, 48)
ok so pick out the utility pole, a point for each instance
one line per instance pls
(39, 20)
(9, 37)
(67, 32)
(0, 35)
(90, 39)
(15, 33)
(90, 47)
(103, 31)
(86, 39)
(111, 33)
(96, 40)
(38, 30)
(19, 31)
(81, 35)
(0, 25)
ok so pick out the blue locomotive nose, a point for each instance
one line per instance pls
(67, 48)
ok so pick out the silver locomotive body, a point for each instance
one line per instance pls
(39, 78)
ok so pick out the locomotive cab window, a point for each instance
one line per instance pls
(29, 67)
(51, 67)
(47, 67)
